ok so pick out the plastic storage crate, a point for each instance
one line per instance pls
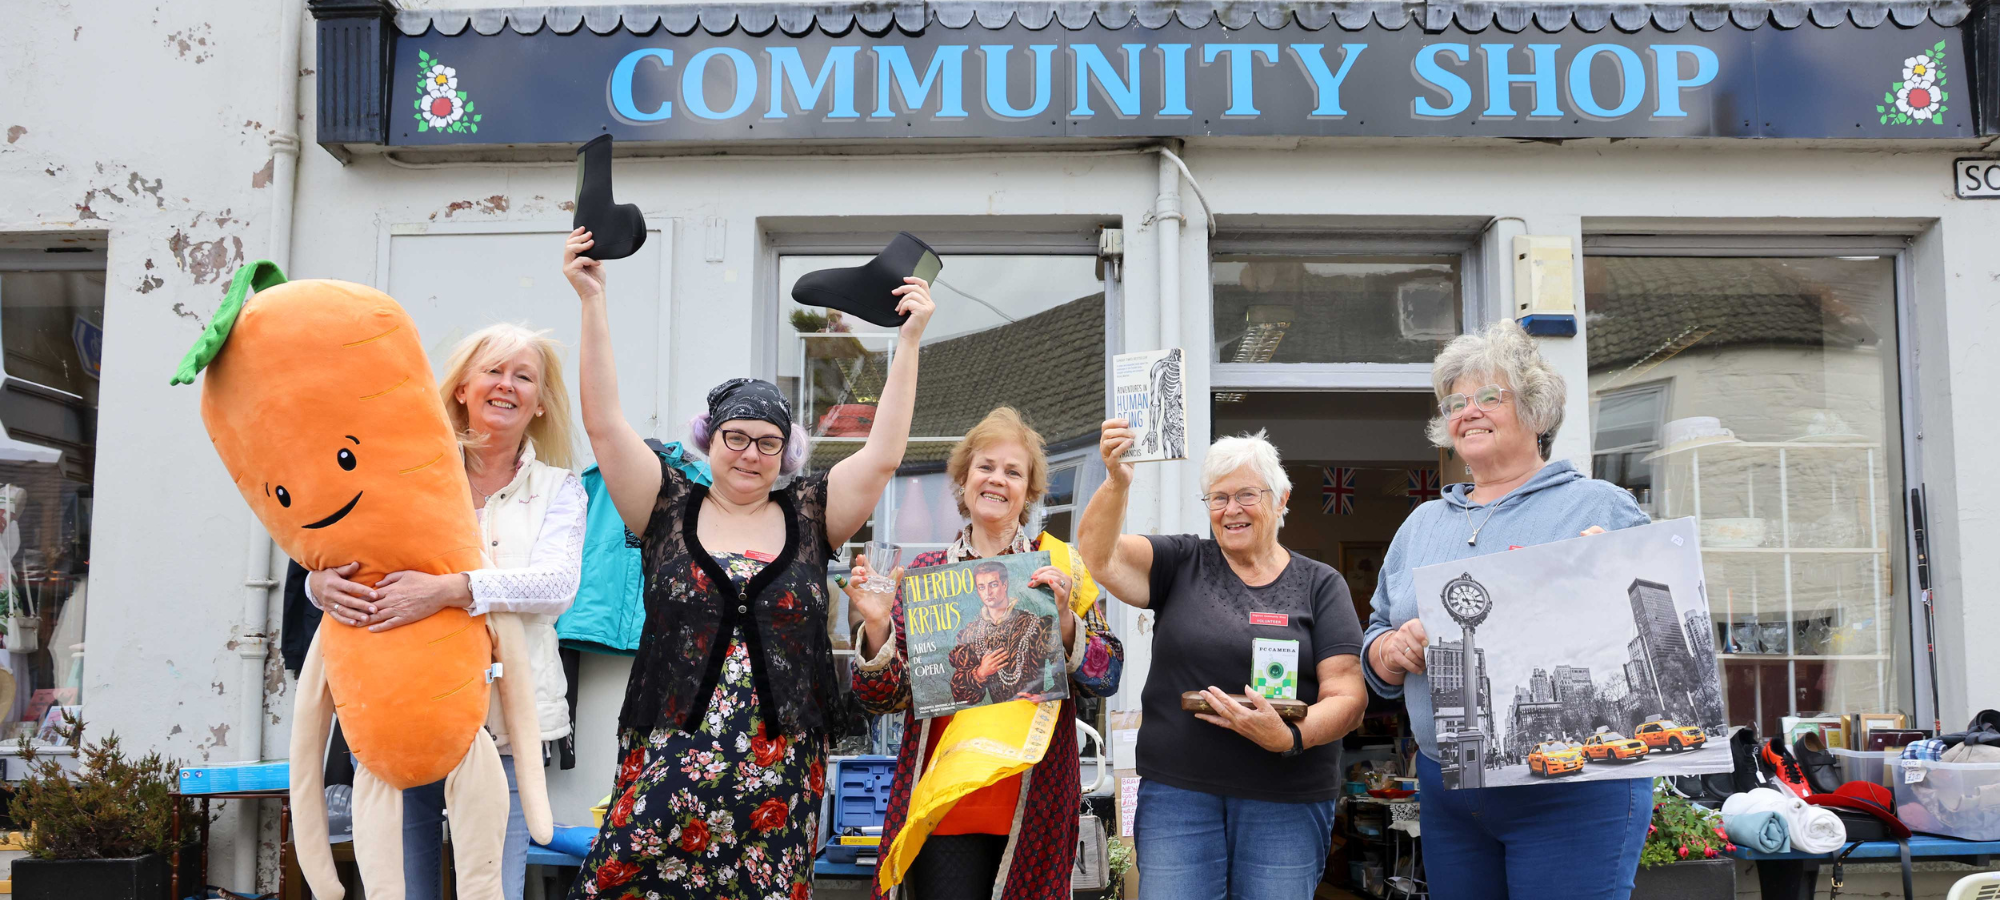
(1960, 800)
(860, 801)
(222, 778)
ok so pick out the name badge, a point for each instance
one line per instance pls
(1278, 619)
(761, 557)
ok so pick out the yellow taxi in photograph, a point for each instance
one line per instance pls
(1664, 734)
(1612, 745)
(1555, 758)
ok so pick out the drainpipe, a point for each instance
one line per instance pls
(252, 638)
(1167, 219)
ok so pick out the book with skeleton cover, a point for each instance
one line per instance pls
(978, 634)
(1148, 391)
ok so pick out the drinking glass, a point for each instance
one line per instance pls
(883, 558)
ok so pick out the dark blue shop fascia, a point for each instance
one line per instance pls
(1913, 69)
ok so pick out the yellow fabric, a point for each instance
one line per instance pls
(984, 744)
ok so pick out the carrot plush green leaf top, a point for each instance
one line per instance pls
(256, 276)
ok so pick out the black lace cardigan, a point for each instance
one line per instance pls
(691, 606)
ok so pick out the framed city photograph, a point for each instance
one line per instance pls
(1580, 660)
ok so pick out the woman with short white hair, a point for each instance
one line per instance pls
(1236, 802)
(1499, 406)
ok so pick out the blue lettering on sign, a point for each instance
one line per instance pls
(946, 71)
(1242, 87)
(1667, 75)
(788, 69)
(996, 79)
(693, 86)
(1433, 75)
(1631, 73)
(1500, 79)
(1326, 83)
(829, 89)
(621, 86)
(1123, 93)
(1173, 80)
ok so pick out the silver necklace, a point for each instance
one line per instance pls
(1476, 529)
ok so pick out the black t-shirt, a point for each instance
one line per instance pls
(1202, 635)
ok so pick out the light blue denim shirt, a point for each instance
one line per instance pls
(1556, 504)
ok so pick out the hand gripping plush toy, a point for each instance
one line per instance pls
(320, 400)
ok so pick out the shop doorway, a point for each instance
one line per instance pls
(1359, 463)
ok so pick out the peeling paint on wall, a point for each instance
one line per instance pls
(494, 205)
(14, 133)
(180, 309)
(262, 177)
(151, 283)
(207, 261)
(137, 185)
(191, 41)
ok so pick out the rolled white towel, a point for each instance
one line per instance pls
(1818, 830)
(1814, 829)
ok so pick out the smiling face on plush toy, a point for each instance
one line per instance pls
(324, 411)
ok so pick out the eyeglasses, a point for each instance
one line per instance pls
(740, 441)
(1246, 498)
(1487, 399)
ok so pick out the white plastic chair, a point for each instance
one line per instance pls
(1979, 886)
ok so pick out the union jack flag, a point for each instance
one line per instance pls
(1423, 486)
(1337, 491)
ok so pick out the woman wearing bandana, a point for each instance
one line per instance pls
(724, 728)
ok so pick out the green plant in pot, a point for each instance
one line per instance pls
(1683, 856)
(102, 831)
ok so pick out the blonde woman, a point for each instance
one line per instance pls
(503, 389)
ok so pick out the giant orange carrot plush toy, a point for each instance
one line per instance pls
(321, 403)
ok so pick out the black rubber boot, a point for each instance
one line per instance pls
(618, 229)
(864, 290)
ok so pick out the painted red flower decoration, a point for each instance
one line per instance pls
(816, 778)
(614, 873)
(694, 836)
(770, 815)
(635, 762)
(801, 891)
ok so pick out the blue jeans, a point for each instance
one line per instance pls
(423, 839)
(1197, 846)
(1577, 841)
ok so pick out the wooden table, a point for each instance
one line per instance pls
(1792, 875)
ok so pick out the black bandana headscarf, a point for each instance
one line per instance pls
(749, 398)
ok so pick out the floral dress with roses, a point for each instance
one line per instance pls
(729, 810)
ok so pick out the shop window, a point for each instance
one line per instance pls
(51, 332)
(1760, 395)
(1334, 308)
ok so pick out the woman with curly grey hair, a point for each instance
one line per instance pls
(1499, 406)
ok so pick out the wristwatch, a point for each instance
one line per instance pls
(1298, 741)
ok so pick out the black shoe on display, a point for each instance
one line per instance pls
(1822, 773)
(617, 230)
(864, 290)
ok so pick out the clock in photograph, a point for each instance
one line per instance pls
(1466, 600)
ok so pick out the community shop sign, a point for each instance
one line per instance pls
(1842, 82)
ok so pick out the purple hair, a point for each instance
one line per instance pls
(797, 447)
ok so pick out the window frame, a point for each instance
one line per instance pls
(1237, 377)
(1765, 244)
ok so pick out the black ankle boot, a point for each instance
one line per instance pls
(1822, 773)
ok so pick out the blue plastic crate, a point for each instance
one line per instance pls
(223, 778)
(860, 800)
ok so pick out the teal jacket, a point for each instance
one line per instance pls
(610, 608)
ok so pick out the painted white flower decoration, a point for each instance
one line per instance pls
(442, 80)
(440, 110)
(1919, 69)
(1919, 101)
